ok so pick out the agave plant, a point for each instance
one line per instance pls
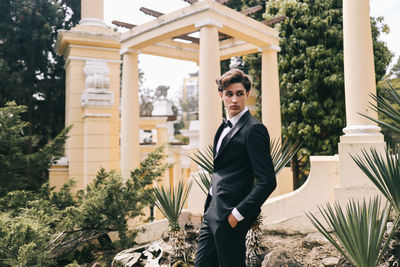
(358, 232)
(384, 172)
(171, 202)
(280, 154)
(383, 169)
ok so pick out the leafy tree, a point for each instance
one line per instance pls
(390, 80)
(50, 228)
(395, 71)
(19, 167)
(31, 73)
(311, 72)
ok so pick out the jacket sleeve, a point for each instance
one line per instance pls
(258, 149)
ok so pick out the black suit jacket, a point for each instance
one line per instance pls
(244, 156)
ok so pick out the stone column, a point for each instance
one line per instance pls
(359, 73)
(359, 69)
(270, 105)
(210, 105)
(130, 113)
(92, 13)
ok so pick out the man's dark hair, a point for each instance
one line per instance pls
(233, 76)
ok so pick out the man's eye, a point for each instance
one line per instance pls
(228, 94)
(240, 94)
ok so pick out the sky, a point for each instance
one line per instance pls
(171, 72)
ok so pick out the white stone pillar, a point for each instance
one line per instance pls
(130, 149)
(270, 104)
(359, 72)
(92, 13)
(359, 69)
(210, 105)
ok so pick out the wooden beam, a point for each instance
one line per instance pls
(123, 24)
(223, 36)
(188, 38)
(223, 2)
(251, 10)
(271, 22)
(191, 1)
(151, 12)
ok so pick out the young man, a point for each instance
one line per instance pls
(241, 155)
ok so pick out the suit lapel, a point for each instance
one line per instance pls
(242, 121)
(216, 137)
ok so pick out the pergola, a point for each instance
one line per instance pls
(224, 33)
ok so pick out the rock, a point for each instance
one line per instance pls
(193, 218)
(330, 262)
(278, 257)
(316, 237)
(196, 219)
(314, 240)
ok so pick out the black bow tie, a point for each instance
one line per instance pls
(227, 123)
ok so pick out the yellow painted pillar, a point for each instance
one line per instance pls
(96, 143)
(130, 113)
(270, 105)
(210, 105)
(92, 13)
(162, 135)
(359, 69)
(162, 139)
(74, 86)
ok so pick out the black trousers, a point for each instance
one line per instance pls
(221, 245)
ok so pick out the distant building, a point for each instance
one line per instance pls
(191, 86)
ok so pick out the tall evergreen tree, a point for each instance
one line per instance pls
(31, 73)
(19, 168)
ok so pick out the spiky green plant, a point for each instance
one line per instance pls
(205, 160)
(282, 153)
(358, 232)
(171, 201)
(360, 235)
(384, 106)
(384, 171)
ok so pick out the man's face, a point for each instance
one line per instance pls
(234, 98)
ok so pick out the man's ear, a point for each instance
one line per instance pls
(248, 93)
(220, 94)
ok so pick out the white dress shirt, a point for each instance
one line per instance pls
(224, 132)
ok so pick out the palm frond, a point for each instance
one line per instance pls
(282, 153)
(204, 182)
(357, 233)
(205, 159)
(386, 108)
(383, 171)
(171, 201)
